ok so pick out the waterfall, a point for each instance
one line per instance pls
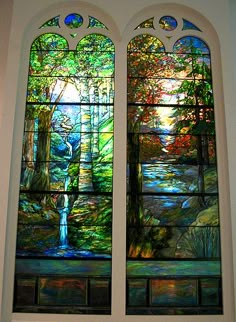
(63, 219)
(65, 210)
(69, 147)
(63, 228)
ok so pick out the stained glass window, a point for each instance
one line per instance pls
(64, 232)
(64, 235)
(173, 227)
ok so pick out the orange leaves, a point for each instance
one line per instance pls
(181, 145)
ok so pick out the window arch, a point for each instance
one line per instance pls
(65, 199)
(173, 223)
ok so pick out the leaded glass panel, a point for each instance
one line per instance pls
(65, 199)
(173, 226)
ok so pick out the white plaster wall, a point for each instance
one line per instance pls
(15, 17)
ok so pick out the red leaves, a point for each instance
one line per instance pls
(181, 145)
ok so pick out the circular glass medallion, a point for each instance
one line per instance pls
(73, 20)
(168, 23)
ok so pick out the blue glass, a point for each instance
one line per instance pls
(168, 23)
(73, 20)
(174, 292)
(137, 292)
(187, 25)
(191, 44)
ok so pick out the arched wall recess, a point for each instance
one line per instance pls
(118, 302)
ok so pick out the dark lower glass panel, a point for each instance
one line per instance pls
(99, 294)
(173, 296)
(63, 286)
(62, 291)
(210, 291)
(173, 292)
(65, 295)
(25, 291)
(137, 292)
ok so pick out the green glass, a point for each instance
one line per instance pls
(95, 23)
(54, 22)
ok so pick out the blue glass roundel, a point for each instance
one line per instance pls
(168, 23)
(73, 20)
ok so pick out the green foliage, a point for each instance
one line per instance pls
(96, 239)
(107, 125)
(95, 43)
(93, 22)
(203, 242)
(95, 57)
(145, 43)
(49, 41)
(52, 22)
(73, 169)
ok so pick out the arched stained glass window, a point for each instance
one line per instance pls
(64, 239)
(173, 234)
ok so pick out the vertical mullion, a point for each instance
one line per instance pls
(119, 189)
